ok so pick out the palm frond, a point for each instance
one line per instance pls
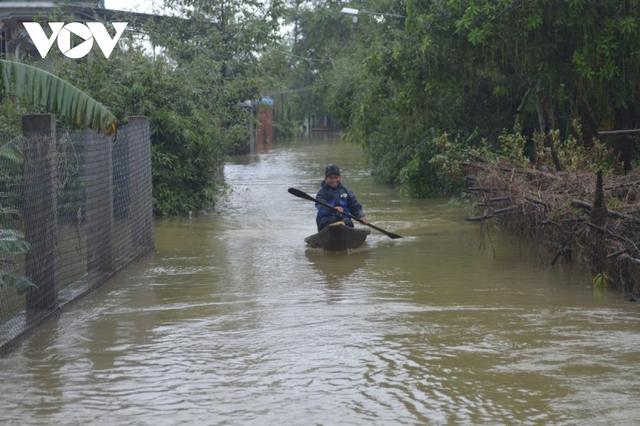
(58, 96)
(12, 241)
(11, 152)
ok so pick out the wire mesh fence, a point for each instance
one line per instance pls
(75, 207)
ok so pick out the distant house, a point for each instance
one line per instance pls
(14, 40)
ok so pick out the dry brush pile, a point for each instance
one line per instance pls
(580, 215)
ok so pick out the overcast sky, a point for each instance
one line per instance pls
(148, 6)
(142, 6)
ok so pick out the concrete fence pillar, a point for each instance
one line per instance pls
(40, 208)
(252, 130)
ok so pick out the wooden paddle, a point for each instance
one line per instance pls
(305, 196)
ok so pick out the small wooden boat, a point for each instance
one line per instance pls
(338, 237)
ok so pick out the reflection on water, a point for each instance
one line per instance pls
(336, 266)
(233, 320)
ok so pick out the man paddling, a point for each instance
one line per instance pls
(335, 194)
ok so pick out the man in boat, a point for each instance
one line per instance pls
(334, 193)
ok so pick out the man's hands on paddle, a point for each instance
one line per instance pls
(341, 211)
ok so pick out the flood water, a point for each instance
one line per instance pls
(234, 321)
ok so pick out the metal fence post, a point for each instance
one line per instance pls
(39, 209)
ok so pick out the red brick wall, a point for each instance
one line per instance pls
(265, 126)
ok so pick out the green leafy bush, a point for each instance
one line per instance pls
(435, 168)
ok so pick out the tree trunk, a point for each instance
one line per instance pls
(599, 218)
(542, 110)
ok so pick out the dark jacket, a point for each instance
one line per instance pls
(340, 196)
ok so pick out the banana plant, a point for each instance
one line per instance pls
(12, 242)
(17, 282)
(39, 87)
(11, 152)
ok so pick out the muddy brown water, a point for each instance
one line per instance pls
(233, 321)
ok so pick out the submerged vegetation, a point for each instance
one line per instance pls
(575, 213)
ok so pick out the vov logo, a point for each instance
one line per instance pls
(89, 32)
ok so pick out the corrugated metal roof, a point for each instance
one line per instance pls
(40, 3)
(82, 9)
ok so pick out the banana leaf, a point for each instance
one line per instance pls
(39, 87)
(5, 211)
(13, 242)
(11, 151)
(19, 283)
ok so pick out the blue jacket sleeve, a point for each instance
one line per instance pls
(354, 206)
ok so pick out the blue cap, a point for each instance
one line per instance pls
(331, 169)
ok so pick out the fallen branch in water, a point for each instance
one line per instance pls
(615, 214)
(477, 189)
(492, 215)
(538, 202)
(630, 259)
(613, 235)
(557, 209)
(616, 253)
